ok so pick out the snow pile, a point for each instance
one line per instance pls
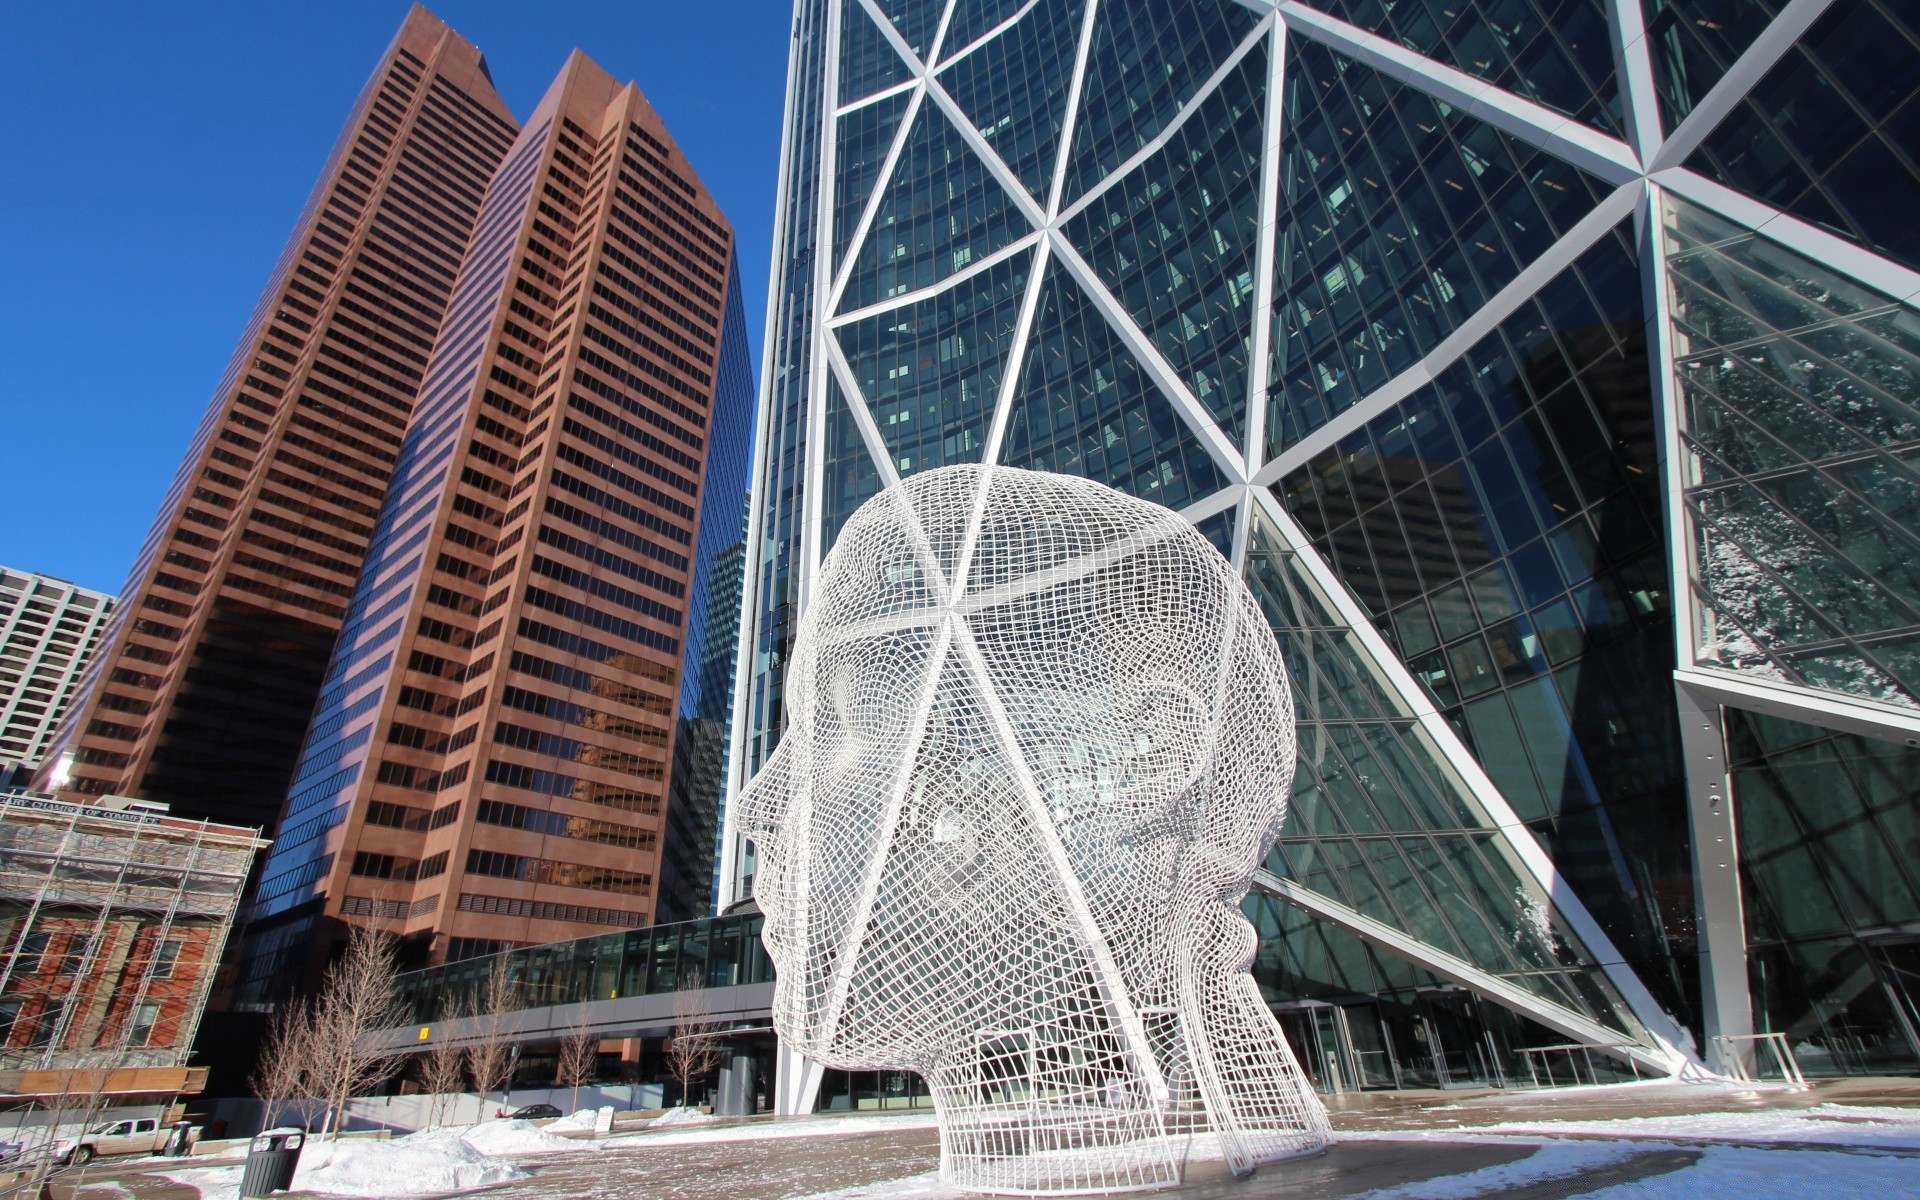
(510, 1136)
(762, 1129)
(579, 1122)
(430, 1163)
(679, 1116)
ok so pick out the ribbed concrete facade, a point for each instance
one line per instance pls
(209, 670)
(49, 631)
(492, 749)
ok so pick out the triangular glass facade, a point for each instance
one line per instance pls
(1176, 239)
(1085, 407)
(1474, 393)
(930, 373)
(865, 139)
(1014, 88)
(1801, 402)
(941, 212)
(868, 62)
(1400, 216)
(1553, 52)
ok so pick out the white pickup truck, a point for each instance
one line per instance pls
(136, 1135)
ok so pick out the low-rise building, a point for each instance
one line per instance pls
(112, 919)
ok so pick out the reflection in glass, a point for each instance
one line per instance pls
(1798, 391)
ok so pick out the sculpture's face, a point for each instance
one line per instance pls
(1029, 734)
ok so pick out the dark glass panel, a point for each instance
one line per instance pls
(1555, 52)
(1146, 62)
(974, 19)
(868, 63)
(1086, 407)
(930, 372)
(848, 471)
(1829, 832)
(942, 211)
(1464, 520)
(866, 134)
(1014, 89)
(1693, 42)
(917, 20)
(1176, 239)
(1399, 216)
(1827, 135)
(1218, 529)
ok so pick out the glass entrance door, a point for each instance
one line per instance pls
(1342, 1047)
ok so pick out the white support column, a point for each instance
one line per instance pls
(796, 1082)
(1725, 1001)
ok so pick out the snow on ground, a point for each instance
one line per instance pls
(912, 1187)
(1825, 1124)
(1745, 1172)
(420, 1164)
(1553, 1160)
(679, 1116)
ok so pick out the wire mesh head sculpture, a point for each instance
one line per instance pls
(1038, 738)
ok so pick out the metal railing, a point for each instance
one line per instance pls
(1741, 1055)
(1577, 1063)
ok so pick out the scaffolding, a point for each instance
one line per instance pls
(100, 904)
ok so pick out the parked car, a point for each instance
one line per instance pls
(137, 1135)
(534, 1112)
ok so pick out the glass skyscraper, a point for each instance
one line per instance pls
(1548, 368)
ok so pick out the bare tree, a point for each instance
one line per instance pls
(286, 1075)
(356, 999)
(693, 1051)
(443, 1067)
(579, 1054)
(490, 1051)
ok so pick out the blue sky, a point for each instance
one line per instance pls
(157, 154)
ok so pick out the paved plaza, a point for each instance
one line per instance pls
(1840, 1138)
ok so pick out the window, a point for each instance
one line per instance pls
(166, 957)
(145, 1017)
(79, 947)
(27, 954)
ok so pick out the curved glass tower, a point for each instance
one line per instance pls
(1549, 371)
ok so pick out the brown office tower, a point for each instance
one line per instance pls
(207, 676)
(491, 754)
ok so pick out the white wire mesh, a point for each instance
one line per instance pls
(1039, 737)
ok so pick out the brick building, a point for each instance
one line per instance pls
(112, 918)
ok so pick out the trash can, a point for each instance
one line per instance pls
(179, 1140)
(270, 1162)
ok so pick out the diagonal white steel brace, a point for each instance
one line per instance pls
(1519, 845)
